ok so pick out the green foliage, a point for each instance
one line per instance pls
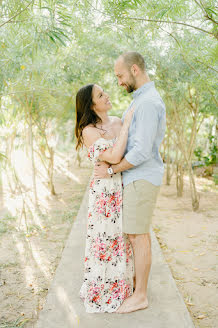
(215, 178)
(198, 153)
(19, 323)
(211, 158)
(49, 49)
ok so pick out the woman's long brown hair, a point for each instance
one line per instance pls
(85, 115)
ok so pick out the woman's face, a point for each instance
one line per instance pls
(100, 99)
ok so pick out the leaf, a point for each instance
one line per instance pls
(161, 13)
(49, 9)
(211, 11)
(58, 38)
(51, 38)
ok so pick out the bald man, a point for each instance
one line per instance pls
(142, 168)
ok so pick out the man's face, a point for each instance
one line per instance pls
(124, 76)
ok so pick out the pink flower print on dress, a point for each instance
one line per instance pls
(120, 289)
(92, 183)
(99, 249)
(115, 201)
(101, 204)
(113, 286)
(107, 254)
(118, 246)
(117, 289)
(127, 291)
(91, 152)
(94, 293)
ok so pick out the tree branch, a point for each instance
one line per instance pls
(187, 63)
(205, 12)
(8, 21)
(212, 68)
(172, 22)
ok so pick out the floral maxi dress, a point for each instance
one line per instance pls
(108, 265)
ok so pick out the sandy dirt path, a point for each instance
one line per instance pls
(189, 243)
(28, 260)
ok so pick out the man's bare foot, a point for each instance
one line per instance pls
(133, 303)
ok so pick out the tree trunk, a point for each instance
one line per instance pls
(51, 170)
(179, 179)
(194, 194)
(8, 170)
(32, 157)
(168, 175)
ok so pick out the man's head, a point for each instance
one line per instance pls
(130, 70)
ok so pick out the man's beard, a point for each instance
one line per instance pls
(130, 87)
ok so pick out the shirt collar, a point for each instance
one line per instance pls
(144, 88)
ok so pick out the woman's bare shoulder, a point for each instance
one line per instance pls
(90, 135)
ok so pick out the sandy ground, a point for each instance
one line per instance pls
(189, 243)
(29, 258)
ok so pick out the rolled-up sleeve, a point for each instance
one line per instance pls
(146, 117)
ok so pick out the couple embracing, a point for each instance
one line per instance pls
(127, 174)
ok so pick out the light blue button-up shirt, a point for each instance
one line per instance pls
(146, 133)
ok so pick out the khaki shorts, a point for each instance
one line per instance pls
(139, 199)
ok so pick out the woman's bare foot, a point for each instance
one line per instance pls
(133, 303)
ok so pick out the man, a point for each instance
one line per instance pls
(142, 168)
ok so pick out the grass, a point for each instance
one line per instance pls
(9, 264)
(6, 223)
(18, 323)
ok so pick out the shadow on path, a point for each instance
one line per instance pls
(64, 309)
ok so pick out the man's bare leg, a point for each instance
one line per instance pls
(141, 244)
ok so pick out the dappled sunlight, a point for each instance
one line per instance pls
(29, 272)
(22, 196)
(67, 306)
(203, 184)
(49, 51)
(41, 264)
(60, 167)
(12, 202)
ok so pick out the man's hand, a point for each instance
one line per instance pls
(100, 170)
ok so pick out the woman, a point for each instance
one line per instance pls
(108, 274)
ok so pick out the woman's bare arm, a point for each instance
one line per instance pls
(115, 154)
(111, 155)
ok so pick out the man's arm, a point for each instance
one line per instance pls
(122, 166)
(146, 124)
(100, 169)
(146, 129)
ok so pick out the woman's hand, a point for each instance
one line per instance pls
(100, 170)
(128, 117)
